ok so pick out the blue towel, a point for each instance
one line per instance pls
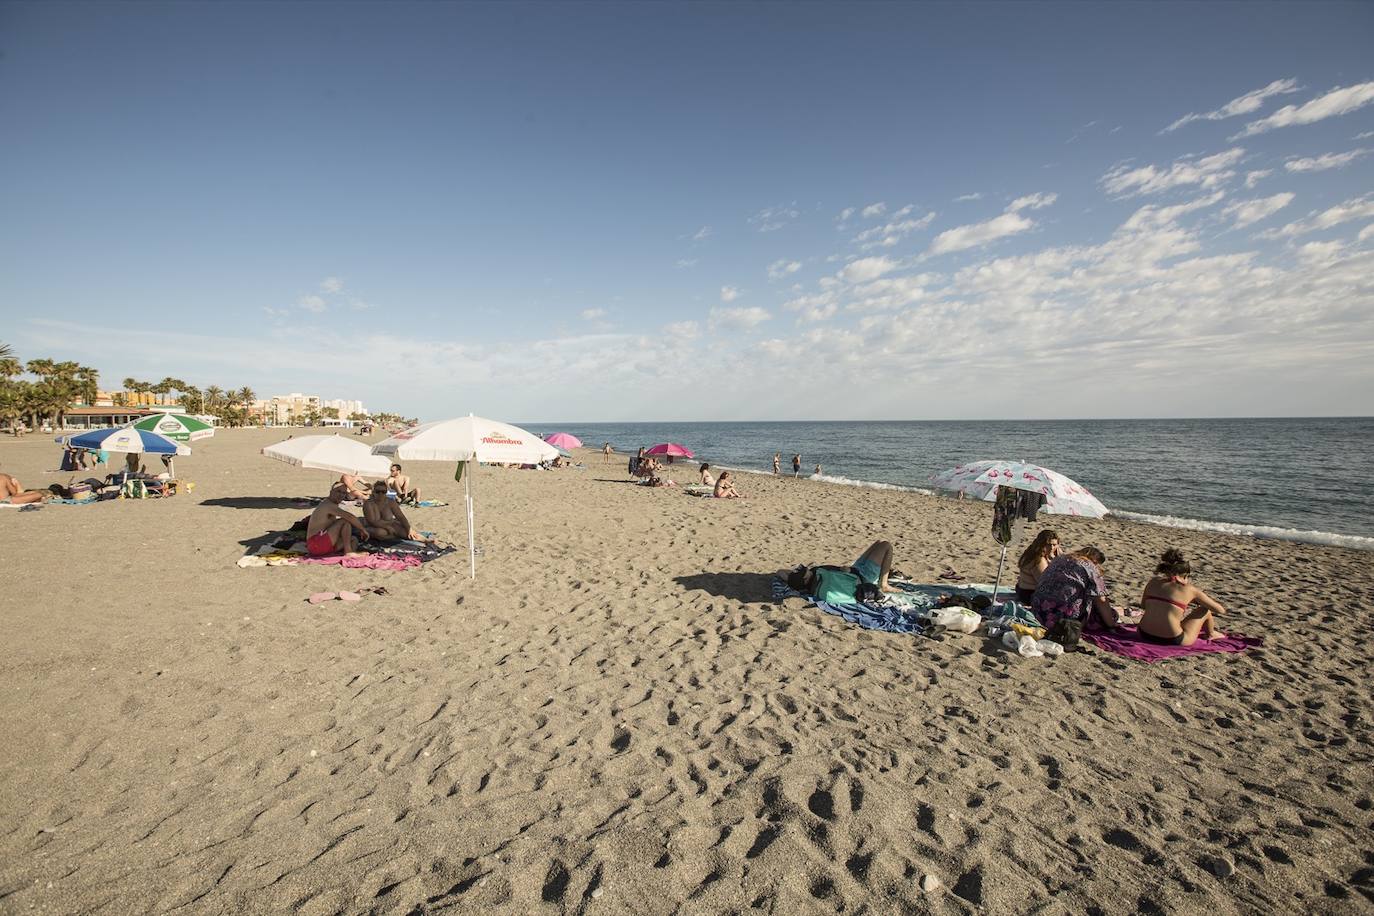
(868, 616)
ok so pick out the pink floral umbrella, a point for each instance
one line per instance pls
(980, 479)
(672, 450)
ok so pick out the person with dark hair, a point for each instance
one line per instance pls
(1169, 598)
(1033, 562)
(1071, 589)
(796, 465)
(725, 487)
(705, 471)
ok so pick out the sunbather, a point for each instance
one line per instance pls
(330, 529)
(725, 487)
(1169, 599)
(1034, 559)
(384, 519)
(873, 566)
(1071, 589)
(706, 479)
(11, 491)
(400, 485)
(357, 487)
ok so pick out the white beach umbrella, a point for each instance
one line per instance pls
(465, 440)
(329, 453)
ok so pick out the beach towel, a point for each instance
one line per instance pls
(431, 503)
(882, 617)
(1123, 641)
(365, 561)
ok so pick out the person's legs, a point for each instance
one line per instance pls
(880, 555)
(29, 496)
(341, 533)
(1199, 624)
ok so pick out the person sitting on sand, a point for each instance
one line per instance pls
(1170, 618)
(384, 519)
(356, 487)
(706, 479)
(1032, 563)
(1070, 590)
(12, 492)
(399, 484)
(330, 529)
(725, 487)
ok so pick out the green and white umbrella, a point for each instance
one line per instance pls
(175, 426)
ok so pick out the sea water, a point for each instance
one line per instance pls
(1296, 479)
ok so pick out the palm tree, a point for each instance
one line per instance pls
(87, 380)
(192, 401)
(212, 397)
(6, 351)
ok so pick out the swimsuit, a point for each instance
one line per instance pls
(320, 544)
(1178, 604)
(867, 570)
(1024, 595)
(1160, 640)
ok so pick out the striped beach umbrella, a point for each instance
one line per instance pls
(125, 440)
(175, 426)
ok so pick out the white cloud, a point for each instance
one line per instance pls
(685, 262)
(1032, 202)
(331, 285)
(701, 234)
(873, 210)
(782, 267)
(1247, 212)
(1364, 135)
(728, 294)
(1246, 104)
(682, 330)
(976, 195)
(737, 318)
(1354, 209)
(846, 213)
(770, 219)
(1366, 233)
(1325, 161)
(1255, 177)
(1011, 222)
(817, 313)
(1206, 172)
(314, 304)
(889, 234)
(1151, 217)
(593, 314)
(866, 269)
(1336, 102)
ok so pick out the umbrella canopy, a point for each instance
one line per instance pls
(175, 426)
(672, 449)
(467, 439)
(330, 453)
(980, 480)
(563, 440)
(126, 440)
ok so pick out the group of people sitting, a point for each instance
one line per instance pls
(396, 484)
(333, 529)
(650, 474)
(724, 488)
(1066, 590)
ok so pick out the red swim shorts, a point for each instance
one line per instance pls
(320, 544)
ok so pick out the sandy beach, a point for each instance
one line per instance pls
(616, 717)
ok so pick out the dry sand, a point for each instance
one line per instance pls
(614, 717)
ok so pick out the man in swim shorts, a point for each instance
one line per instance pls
(331, 528)
(400, 485)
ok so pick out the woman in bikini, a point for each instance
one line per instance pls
(705, 473)
(1031, 565)
(1170, 618)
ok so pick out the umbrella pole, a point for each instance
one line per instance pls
(472, 544)
(1000, 564)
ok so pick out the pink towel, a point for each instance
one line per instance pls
(365, 561)
(1124, 642)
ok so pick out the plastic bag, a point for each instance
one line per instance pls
(956, 619)
(1021, 645)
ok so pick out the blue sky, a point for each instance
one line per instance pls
(677, 212)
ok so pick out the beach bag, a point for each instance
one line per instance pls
(1066, 632)
(134, 489)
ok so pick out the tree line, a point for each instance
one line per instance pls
(58, 384)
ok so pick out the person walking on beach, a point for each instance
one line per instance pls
(796, 465)
(606, 452)
(818, 470)
(777, 463)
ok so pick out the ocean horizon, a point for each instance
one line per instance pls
(1289, 478)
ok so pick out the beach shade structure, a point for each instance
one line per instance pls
(127, 440)
(330, 453)
(563, 440)
(467, 440)
(672, 450)
(175, 426)
(985, 480)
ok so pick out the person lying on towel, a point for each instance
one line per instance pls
(384, 519)
(11, 491)
(331, 528)
(1170, 615)
(835, 584)
(356, 487)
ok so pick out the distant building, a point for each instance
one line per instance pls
(346, 409)
(287, 409)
